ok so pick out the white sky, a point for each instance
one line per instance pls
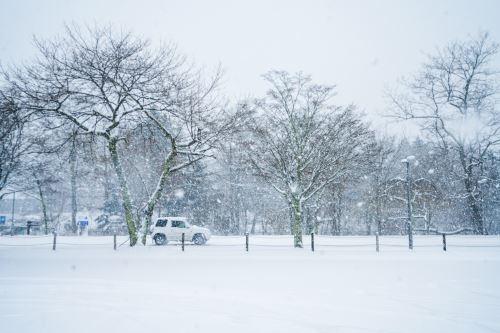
(361, 46)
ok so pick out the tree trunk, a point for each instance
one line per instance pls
(338, 215)
(378, 213)
(44, 207)
(368, 222)
(127, 202)
(156, 196)
(246, 220)
(297, 222)
(254, 222)
(74, 227)
(308, 220)
(429, 221)
(475, 214)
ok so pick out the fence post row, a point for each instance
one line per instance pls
(377, 241)
(54, 242)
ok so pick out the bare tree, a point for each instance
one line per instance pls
(192, 130)
(12, 143)
(107, 84)
(300, 143)
(454, 99)
(102, 82)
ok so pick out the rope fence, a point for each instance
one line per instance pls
(248, 242)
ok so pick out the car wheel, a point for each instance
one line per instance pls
(160, 239)
(198, 239)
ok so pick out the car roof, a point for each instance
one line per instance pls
(172, 218)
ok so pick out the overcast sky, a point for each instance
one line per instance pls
(361, 46)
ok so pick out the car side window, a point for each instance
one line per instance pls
(161, 223)
(178, 224)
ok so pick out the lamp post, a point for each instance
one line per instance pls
(408, 199)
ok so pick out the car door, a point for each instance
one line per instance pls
(178, 227)
(161, 226)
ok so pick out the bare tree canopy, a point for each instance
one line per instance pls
(12, 143)
(454, 98)
(301, 143)
(105, 84)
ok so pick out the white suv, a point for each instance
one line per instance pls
(171, 229)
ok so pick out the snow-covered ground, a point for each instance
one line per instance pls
(344, 286)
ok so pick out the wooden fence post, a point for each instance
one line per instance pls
(312, 241)
(444, 242)
(54, 242)
(246, 241)
(377, 244)
(114, 242)
(183, 237)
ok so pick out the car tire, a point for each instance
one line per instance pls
(160, 239)
(199, 239)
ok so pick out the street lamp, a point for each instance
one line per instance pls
(408, 198)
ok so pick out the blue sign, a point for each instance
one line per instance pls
(83, 223)
(2, 219)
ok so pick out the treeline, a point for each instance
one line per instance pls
(104, 121)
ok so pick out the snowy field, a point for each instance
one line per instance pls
(344, 286)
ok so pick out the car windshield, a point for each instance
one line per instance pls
(161, 223)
